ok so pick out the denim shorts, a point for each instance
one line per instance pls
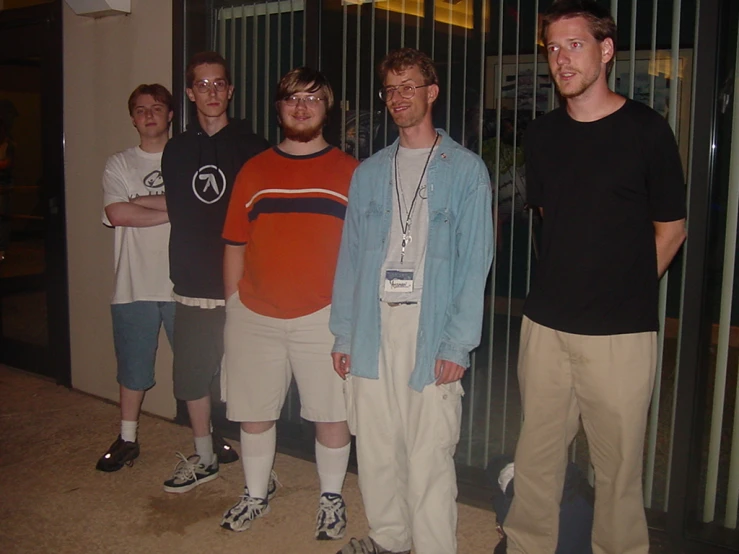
(136, 337)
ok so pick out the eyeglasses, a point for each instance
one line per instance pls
(310, 101)
(205, 85)
(405, 91)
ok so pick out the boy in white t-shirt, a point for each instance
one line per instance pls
(134, 205)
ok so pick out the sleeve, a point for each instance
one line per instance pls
(236, 226)
(665, 179)
(534, 194)
(114, 186)
(342, 301)
(475, 245)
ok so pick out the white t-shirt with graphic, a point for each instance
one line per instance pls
(141, 253)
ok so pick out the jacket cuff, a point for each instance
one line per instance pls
(452, 353)
(342, 345)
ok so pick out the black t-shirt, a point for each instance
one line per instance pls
(602, 184)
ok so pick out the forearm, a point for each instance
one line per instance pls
(233, 268)
(668, 236)
(129, 214)
(153, 202)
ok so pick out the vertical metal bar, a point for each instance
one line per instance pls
(530, 246)
(657, 392)
(722, 348)
(242, 88)
(418, 30)
(267, 79)
(449, 73)
(231, 56)
(402, 24)
(279, 59)
(373, 20)
(292, 34)
(612, 77)
(473, 361)
(653, 425)
(513, 234)
(683, 288)
(496, 179)
(255, 64)
(305, 34)
(653, 54)
(433, 29)
(344, 59)
(222, 32)
(387, 49)
(357, 74)
(731, 240)
(632, 50)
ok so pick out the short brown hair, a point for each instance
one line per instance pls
(305, 79)
(403, 58)
(202, 58)
(156, 91)
(599, 18)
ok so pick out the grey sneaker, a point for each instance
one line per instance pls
(189, 473)
(366, 546)
(331, 517)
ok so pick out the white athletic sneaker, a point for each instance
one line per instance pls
(331, 517)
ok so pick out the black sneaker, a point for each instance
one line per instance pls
(119, 454)
(225, 452)
(189, 473)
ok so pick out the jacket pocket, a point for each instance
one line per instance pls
(441, 229)
(449, 412)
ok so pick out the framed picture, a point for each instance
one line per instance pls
(649, 79)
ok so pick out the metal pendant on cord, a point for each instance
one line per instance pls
(406, 227)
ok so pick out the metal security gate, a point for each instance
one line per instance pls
(678, 57)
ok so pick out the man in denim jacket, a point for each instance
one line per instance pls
(407, 310)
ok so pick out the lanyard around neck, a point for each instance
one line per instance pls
(406, 227)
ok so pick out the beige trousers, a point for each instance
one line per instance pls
(607, 381)
(405, 445)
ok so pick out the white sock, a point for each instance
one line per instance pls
(331, 464)
(128, 430)
(204, 449)
(257, 457)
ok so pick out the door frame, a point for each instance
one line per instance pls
(53, 361)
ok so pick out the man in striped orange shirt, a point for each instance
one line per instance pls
(282, 233)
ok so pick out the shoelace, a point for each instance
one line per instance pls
(184, 469)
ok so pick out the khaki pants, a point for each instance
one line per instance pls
(405, 445)
(607, 381)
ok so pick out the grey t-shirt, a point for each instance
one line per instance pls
(411, 162)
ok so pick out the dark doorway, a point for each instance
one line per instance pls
(34, 323)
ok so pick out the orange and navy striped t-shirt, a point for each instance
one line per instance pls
(289, 212)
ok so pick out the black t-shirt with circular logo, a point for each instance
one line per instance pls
(601, 184)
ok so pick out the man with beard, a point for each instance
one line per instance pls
(282, 235)
(199, 167)
(407, 310)
(606, 174)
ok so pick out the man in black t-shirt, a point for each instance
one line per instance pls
(606, 175)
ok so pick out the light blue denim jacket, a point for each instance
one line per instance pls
(458, 256)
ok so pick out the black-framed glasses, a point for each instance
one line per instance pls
(204, 85)
(405, 91)
(310, 101)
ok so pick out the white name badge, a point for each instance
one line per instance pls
(399, 280)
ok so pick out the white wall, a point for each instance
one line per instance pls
(104, 60)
